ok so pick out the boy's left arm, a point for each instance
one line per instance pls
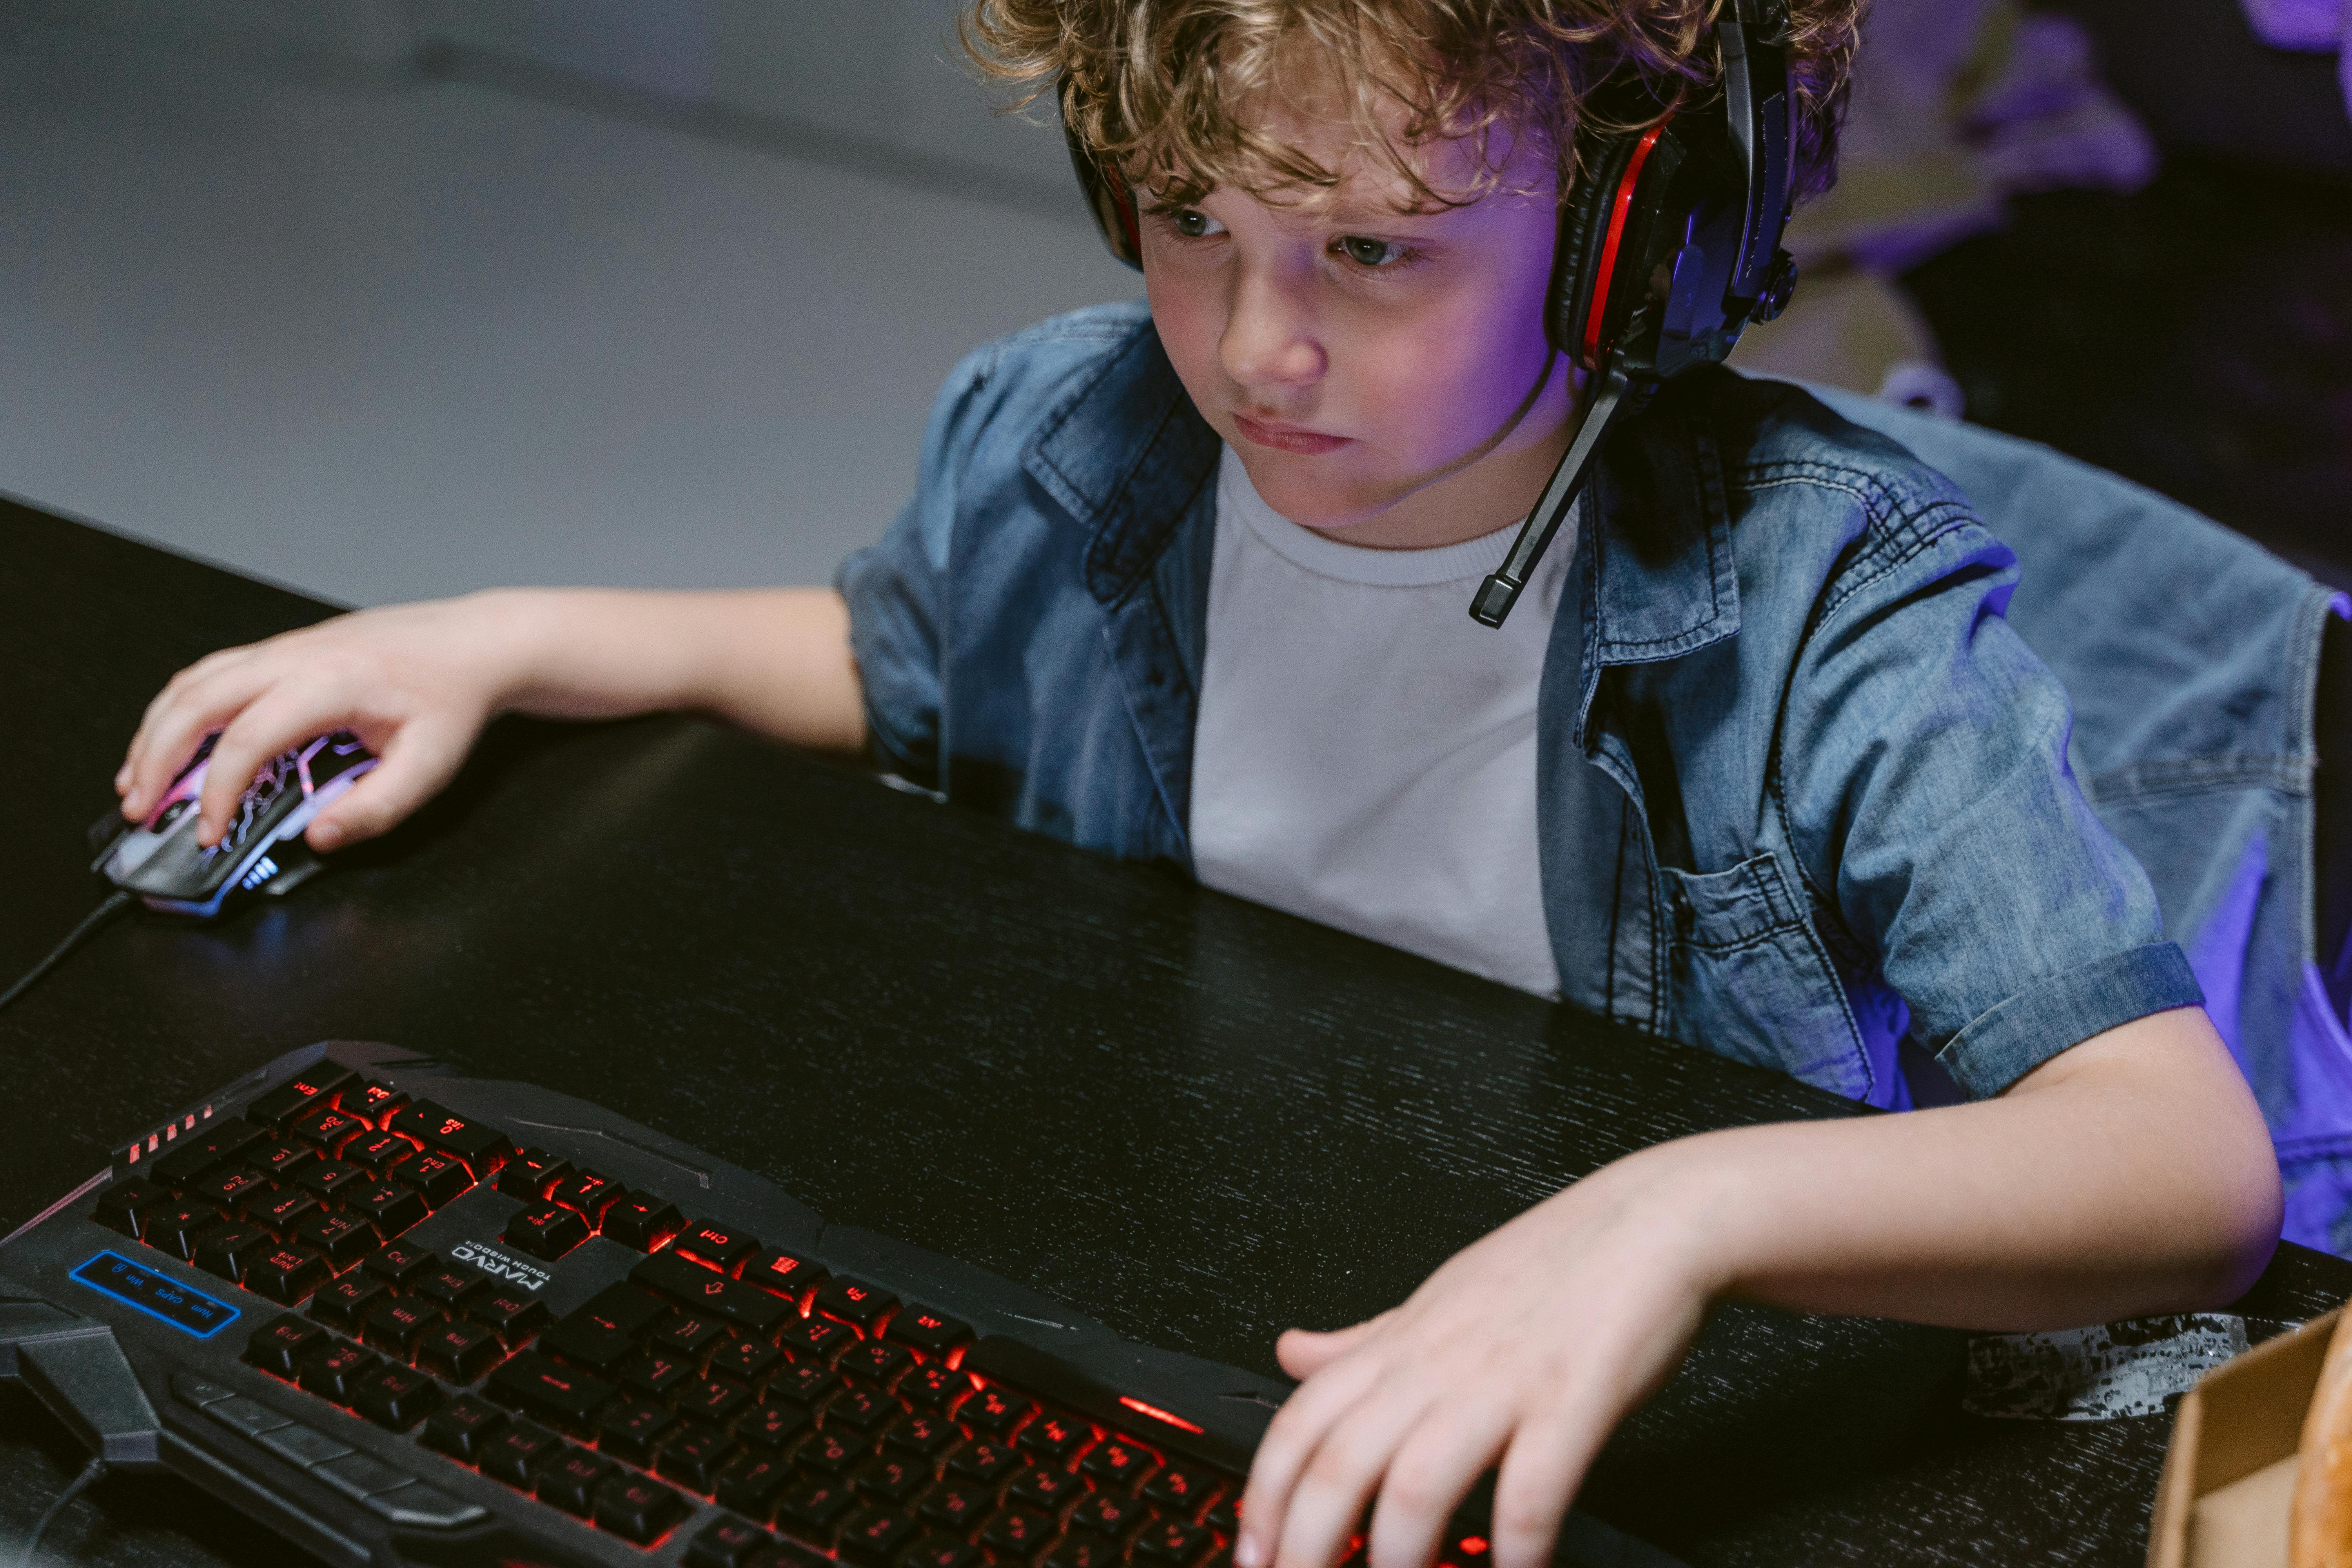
(2129, 1174)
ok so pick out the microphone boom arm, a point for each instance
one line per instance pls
(1501, 589)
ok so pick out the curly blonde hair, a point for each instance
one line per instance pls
(1166, 88)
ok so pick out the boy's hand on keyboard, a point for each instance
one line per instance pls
(1522, 1351)
(416, 682)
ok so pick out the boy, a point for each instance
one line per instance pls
(1191, 584)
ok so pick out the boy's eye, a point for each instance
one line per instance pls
(1194, 223)
(1366, 252)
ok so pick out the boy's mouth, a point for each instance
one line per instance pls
(1287, 437)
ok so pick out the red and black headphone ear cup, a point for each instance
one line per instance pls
(1600, 165)
(1110, 200)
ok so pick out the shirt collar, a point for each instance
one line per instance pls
(1127, 455)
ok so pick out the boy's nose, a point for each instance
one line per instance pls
(1269, 340)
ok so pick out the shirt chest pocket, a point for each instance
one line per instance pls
(1748, 978)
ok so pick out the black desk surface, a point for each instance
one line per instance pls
(1198, 1120)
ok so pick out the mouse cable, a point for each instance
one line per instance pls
(116, 902)
(79, 1484)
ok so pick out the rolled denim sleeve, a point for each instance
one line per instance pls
(896, 589)
(1925, 765)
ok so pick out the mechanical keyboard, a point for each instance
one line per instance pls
(404, 1316)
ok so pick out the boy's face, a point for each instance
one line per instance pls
(1363, 362)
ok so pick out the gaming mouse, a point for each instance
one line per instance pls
(262, 852)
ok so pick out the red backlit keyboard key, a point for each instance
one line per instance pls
(802, 1382)
(173, 1227)
(893, 1478)
(279, 1344)
(814, 1504)
(586, 1193)
(463, 1427)
(656, 1372)
(934, 1332)
(932, 1387)
(995, 1409)
(199, 1149)
(378, 1151)
(1054, 1437)
(709, 1398)
(333, 1370)
(569, 1480)
(394, 1397)
(449, 1286)
(303, 1093)
(280, 1211)
(372, 1100)
(459, 1352)
(547, 1231)
(959, 1507)
(643, 1221)
(632, 1428)
(636, 1509)
(437, 1127)
(387, 1206)
(1171, 1540)
(939, 1551)
(771, 1425)
(834, 1453)
(326, 1129)
(985, 1460)
(515, 1452)
(1120, 1463)
(228, 1187)
(854, 1302)
(345, 1303)
(816, 1337)
(688, 1333)
(1179, 1488)
(602, 1334)
(746, 1307)
(530, 1174)
(399, 1261)
(516, 1313)
(1084, 1551)
(285, 1274)
(1018, 1532)
(697, 1454)
(1108, 1513)
(866, 1409)
(874, 1535)
(393, 1323)
(726, 1543)
(1042, 1486)
(227, 1249)
(750, 1482)
(121, 1205)
(278, 1162)
(1225, 1513)
(573, 1479)
(745, 1360)
(874, 1360)
(554, 1392)
(924, 1432)
(786, 1273)
(327, 1178)
(437, 1176)
(343, 1240)
(714, 1246)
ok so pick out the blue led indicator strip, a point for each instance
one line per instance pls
(157, 1294)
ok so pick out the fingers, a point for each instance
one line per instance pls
(1540, 1472)
(1303, 1352)
(264, 726)
(418, 762)
(198, 701)
(1349, 1465)
(1290, 1444)
(1432, 1472)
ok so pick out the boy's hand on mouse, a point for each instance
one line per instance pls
(1523, 1351)
(416, 682)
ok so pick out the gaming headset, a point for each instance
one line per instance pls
(1668, 247)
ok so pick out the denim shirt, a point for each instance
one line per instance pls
(1803, 790)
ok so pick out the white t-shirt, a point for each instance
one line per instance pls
(1366, 752)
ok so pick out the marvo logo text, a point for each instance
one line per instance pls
(485, 1256)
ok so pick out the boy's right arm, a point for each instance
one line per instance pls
(417, 683)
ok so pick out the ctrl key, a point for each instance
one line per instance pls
(636, 1509)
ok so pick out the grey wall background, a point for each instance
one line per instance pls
(627, 292)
